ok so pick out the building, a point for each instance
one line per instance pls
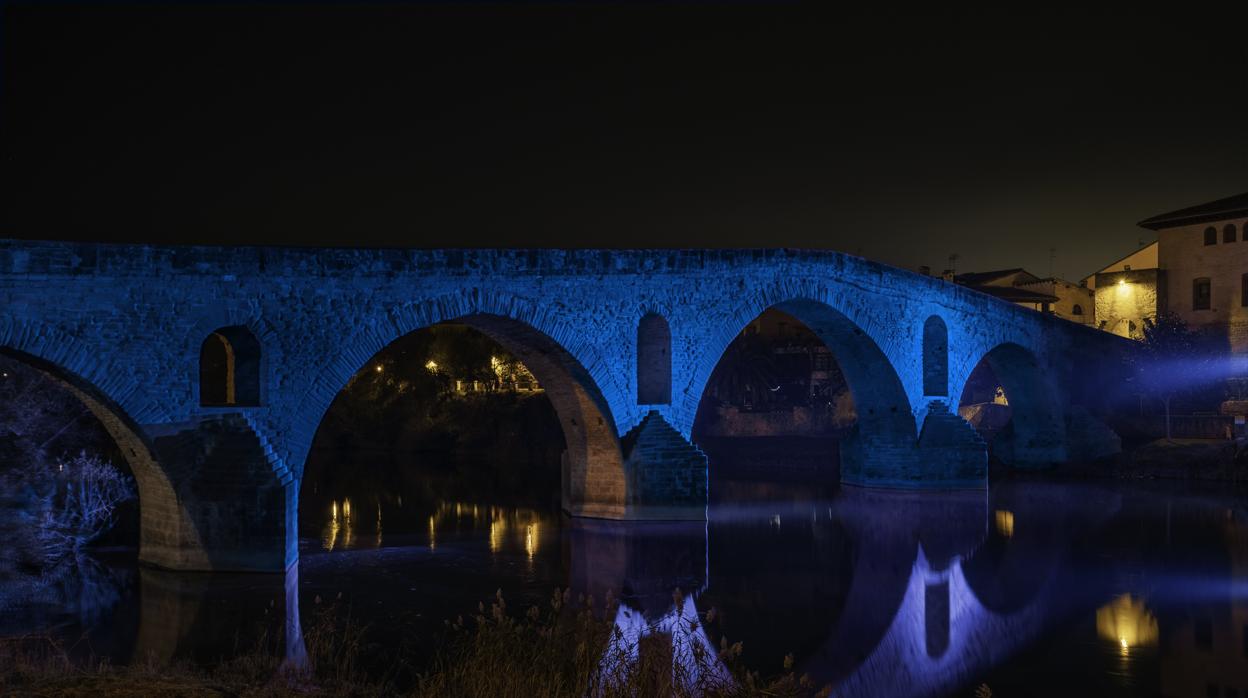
(1129, 293)
(1052, 295)
(1203, 256)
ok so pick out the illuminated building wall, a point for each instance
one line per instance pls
(1126, 300)
(1200, 244)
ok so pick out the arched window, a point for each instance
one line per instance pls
(1211, 235)
(1077, 310)
(1228, 233)
(935, 357)
(654, 361)
(229, 368)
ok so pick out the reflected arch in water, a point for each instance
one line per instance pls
(886, 526)
(1034, 433)
(205, 617)
(1029, 537)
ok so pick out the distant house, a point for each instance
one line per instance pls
(1129, 292)
(1204, 256)
(1049, 295)
(1197, 269)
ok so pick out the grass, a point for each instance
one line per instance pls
(565, 649)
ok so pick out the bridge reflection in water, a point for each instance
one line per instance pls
(874, 592)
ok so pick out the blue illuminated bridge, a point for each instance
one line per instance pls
(212, 366)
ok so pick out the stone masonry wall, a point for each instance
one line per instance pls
(128, 321)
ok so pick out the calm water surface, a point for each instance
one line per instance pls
(1032, 588)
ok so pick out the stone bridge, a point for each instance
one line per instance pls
(212, 367)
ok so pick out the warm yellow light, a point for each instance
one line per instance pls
(1126, 621)
(433, 539)
(1122, 282)
(530, 540)
(497, 528)
(1005, 523)
(432, 366)
(346, 510)
(333, 511)
(378, 368)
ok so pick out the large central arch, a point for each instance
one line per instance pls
(881, 447)
(593, 475)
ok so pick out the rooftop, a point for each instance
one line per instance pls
(1222, 209)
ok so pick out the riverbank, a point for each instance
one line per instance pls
(554, 652)
(1212, 460)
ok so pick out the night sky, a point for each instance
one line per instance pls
(901, 138)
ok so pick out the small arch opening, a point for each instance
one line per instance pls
(935, 357)
(229, 368)
(1228, 233)
(1211, 235)
(654, 361)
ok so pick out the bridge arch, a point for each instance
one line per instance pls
(593, 477)
(167, 536)
(885, 423)
(1035, 435)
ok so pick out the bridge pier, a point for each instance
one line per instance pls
(1078, 437)
(232, 512)
(666, 475)
(947, 455)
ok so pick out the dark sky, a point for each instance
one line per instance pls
(898, 137)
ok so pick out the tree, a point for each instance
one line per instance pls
(53, 505)
(1174, 361)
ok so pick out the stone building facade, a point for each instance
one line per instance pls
(1204, 256)
(1050, 295)
(1129, 293)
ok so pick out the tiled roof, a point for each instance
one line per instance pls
(1222, 209)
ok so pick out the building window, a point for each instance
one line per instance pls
(1077, 310)
(229, 368)
(1200, 294)
(1211, 235)
(654, 361)
(1228, 233)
